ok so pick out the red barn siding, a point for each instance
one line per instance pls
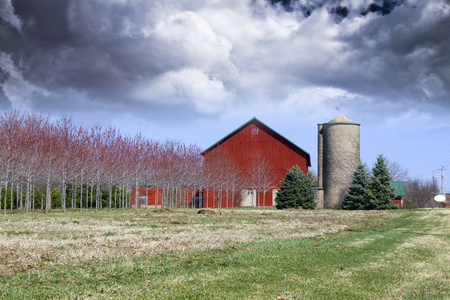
(243, 145)
(397, 201)
(185, 197)
(151, 196)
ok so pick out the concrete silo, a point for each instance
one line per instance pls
(338, 158)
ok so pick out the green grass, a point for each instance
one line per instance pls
(405, 258)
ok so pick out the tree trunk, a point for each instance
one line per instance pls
(21, 196)
(162, 197)
(74, 188)
(127, 198)
(12, 194)
(48, 195)
(146, 196)
(92, 193)
(122, 193)
(63, 192)
(136, 195)
(176, 198)
(115, 196)
(42, 201)
(98, 197)
(87, 195)
(81, 191)
(110, 195)
(18, 199)
(27, 196)
(6, 195)
(33, 203)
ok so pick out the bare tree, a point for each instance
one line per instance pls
(31, 158)
(68, 135)
(215, 170)
(420, 193)
(11, 132)
(262, 177)
(398, 172)
(236, 184)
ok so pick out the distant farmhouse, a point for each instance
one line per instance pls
(399, 192)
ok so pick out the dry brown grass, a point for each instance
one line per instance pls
(74, 237)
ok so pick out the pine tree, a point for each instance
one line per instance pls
(359, 194)
(380, 185)
(297, 190)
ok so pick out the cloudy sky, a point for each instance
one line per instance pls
(196, 70)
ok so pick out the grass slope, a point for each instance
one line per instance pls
(406, 258)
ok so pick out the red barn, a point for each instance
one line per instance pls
(399, 192)
(254, 141)
(261, 158)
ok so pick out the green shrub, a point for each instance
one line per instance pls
(359, 193)
(297, 190)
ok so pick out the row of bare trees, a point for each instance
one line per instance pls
(37, 153)
(420, 193)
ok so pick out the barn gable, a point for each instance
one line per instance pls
(255, 131)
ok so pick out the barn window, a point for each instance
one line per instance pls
(254, 131)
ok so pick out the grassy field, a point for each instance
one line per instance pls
(237, 254)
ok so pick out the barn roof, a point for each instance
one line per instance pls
(399, 188)
(264, 127)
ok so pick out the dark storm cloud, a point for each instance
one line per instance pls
(44, 21)
(73, 54)
(383, 7)
(60, 46)
(207, 58)
(400, 55)
(410, 56)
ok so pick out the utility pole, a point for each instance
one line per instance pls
(442, 168)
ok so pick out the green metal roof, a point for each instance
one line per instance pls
(399, 188)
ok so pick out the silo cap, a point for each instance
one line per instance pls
(342, 119)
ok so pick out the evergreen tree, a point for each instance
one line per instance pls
(380, 185)
(297, 190)
(359, 194)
